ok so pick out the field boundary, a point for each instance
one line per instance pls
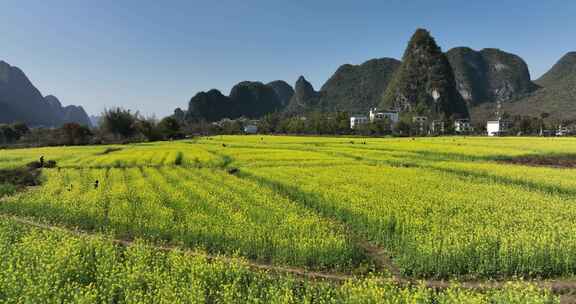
(560, 287)
(526, 185)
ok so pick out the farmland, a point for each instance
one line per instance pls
(369, 211)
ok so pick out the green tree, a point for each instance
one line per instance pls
(170, 127)
(148, 127)
(21, 128)
(342, 123)
(403, 128)
(9, 134)
(120, 122)
(75, 134)
(382, 127)
(270, 123)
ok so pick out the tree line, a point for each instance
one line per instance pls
(118, 125)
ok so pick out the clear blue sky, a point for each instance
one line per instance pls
(154, 55)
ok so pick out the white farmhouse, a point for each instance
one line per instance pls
(497, 127)
(392, 116)
(251, 129)
(356, 121)
(419, 119)
(563, 131)
(437, 127)
(462, 125)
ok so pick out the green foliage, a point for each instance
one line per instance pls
(148, 127)
(120, 122)
(12, 133)
(424, 69)
(170, 127)
(41, 266)
(441, 207)
(21, 128)
(75, 134)
(7, 189)
(270, 123)
(179, 159)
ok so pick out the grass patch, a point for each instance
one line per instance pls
(179, 159)
(7, 189)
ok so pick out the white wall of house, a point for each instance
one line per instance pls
(356, 121)
(251, 129)
(391, 116)
(462, 125)
(419, 119)
(496, 127)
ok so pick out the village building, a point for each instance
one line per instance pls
(497, 127)
(357, 120)
(462, 126)
(375, 115)
(419, 119)
(437, 127)
(250, 129)
(421, 122)
(223, 122)
(563, 131)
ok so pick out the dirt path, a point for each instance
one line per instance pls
(382, 259)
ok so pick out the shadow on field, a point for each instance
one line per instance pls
(109, 150)
(567, 161)
(20, 177)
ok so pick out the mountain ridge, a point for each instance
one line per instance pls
(424, 83)
(21, 101)
(489, 75)
(251, 99)
(555, 98)
(461, 82)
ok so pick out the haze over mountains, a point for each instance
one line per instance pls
(461, 82)
(21, 101)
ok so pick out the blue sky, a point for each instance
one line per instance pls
(153, 56)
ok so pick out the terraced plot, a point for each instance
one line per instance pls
(438, 207)
(194, 207)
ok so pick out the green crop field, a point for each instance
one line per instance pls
(371, 212)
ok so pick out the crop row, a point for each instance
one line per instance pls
(438, 224)
(49, 267)
(201, 208)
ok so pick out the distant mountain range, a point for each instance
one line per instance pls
(555, 94)
(461, 82)
(21, 101)
(249, 99)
